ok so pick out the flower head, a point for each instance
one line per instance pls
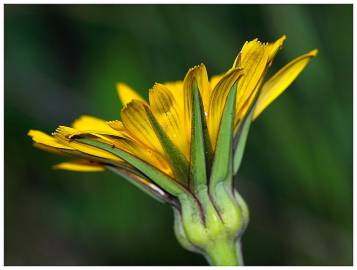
(169, 109)
(186, 140)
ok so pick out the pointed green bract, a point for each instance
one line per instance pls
(199, 143)
(240, 139)
(222, 163)
(144, 184)
(162, 180)
(178, 162)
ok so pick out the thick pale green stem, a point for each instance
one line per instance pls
(224, 253)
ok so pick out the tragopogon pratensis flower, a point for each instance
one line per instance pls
(185, 144)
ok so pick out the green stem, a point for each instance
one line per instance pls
(224, 253)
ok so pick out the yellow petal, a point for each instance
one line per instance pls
(175, 86)
(91, 125)
(254, 59)
(70, 133)
(274, 47)
(167, 112)
(47, 140)
(203, 85)
(80, 166)
(137, 123)
(86, 122)
(127, 94)
(280, 81)
(144, 153)
(217, 102)
(215, 79)
(196, 74)
(117, 125)
(64, 134)
(237, 60)
(128, 143)
(176, 89)
(143, 141)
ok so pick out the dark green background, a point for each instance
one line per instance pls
(64, 61)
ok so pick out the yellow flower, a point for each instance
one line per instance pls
(170, 106)
(184, 145)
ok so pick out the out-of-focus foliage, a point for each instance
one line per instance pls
(63, 61)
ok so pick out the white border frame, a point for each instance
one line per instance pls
(157, 2)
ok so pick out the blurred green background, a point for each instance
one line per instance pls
(62, 61)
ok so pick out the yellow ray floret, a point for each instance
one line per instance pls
(274, 47)
(137, 123)
(115, 134)
(217, 101)
(86, 122)
(280, 81)
(47, 140)
(81, 165)
(196, 76)
(144, 153)
(254, 59)
(166, 110)
(127, 94)
(64, 134)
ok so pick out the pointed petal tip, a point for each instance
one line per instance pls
(120, 85)
(65, 132)
(281, 80)
(155, 86)
(193, 68)
(38, 135)
(83, 116)
(31, 132)
(280, 41)
(282, 38)
(127, 94)
(313, 53)
(116, 125)
(196, 68)
(202, 65)
(56, 167)
(238, 70)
